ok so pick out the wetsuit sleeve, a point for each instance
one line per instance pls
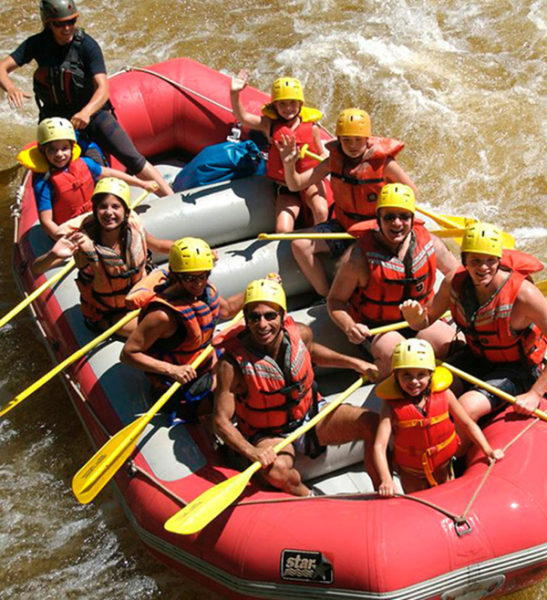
(94, 168)
(26, 51)
(92, 56)
(42, 193)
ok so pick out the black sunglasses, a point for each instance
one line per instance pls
(60, 24)
(256, 317)
(392, 216)
(193, 277)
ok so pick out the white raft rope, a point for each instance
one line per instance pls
(183, 88)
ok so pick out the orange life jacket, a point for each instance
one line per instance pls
(356, 186)
(487, 328)
(196, 319)
(277, 398)
(72, 190)
(426, 441)
(105, 277)
(304, 135)
(391, 281)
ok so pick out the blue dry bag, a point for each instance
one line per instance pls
(229, 160)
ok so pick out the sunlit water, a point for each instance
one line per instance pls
(462, 83)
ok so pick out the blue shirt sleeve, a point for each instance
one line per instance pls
(95, 168)
(42, 192)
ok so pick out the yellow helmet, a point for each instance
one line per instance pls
(115, 186)
(190, 254)
(483, 238)
(265, 290)
(413, 354)
(287, 88)
(56, 128)
(353, 121)
(397, 195)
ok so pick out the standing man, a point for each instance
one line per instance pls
(396, 261)
(71, 82)
(503, 316)
(179, 311)
(266, 381)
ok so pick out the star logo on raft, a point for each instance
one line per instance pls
(303, 565)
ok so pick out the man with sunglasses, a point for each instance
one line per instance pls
(70, 82)
(266, 382)
(179, 311)
(395, 262)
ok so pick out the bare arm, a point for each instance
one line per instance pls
(258, 122)
(49, 225)
(156, 244)
(446, 261)
(530, 307)
(16, 96)
(394, 173)
(148, 184)
(472, 429)
(326, 357)
(381, 441)
(289, 153)
(156, 324)
(322, 151)
(352, 272)
(419, 317)
(81, 119)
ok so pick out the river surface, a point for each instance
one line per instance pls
(462, 83)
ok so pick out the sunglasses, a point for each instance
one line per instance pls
(256, 317)
(392, 216)
(67, 23)
(193, 278)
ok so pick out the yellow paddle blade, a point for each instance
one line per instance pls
(542, 285)
(104, 464)
(206, 507)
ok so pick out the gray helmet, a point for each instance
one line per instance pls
(57, 10)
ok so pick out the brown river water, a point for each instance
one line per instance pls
(462, 83)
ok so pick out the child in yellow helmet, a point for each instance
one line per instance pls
(110, 249)
(63, 181)
(416, 406)
(359, 165)
(286, 115)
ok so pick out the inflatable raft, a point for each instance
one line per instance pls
(483, 534)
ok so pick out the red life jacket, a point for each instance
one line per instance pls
(277, 398)
(487, 328)
(426, 441)
(391, 281)
(356, 187)
(105, 277)
(72, 190)
(304, 135)
(197, 321)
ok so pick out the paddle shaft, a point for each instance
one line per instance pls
(68, 361)
(443, 233)
(489, 388)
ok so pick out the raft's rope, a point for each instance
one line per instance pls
(491, 466)
(178, 85)
(134, 469)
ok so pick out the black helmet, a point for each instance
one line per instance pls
(57, 10)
